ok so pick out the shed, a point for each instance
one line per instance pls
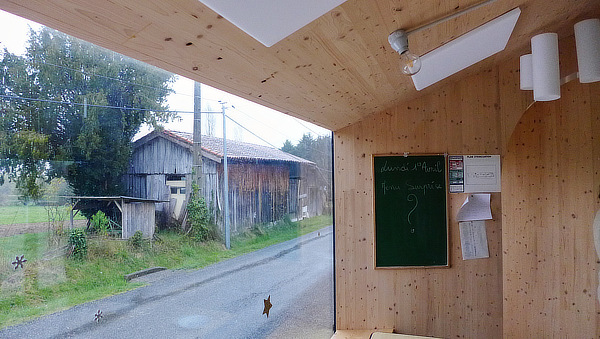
(137, 214)
(265, 183)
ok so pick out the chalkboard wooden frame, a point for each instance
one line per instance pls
(410, 204)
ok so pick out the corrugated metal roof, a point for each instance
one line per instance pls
(237, 149)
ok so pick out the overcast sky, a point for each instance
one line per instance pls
(268, 124)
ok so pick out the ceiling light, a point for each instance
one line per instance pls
(587, 40)
(270, 21)
(410, 63)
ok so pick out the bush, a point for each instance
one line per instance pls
(136, 241)
(199, 218)
(100, 223)
(78, 243)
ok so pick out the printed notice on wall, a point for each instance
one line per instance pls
(473, 240)
(482, 173)
(475, 207)
(456, 173)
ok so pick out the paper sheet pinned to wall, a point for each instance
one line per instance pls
(475, 207)
(473, 240)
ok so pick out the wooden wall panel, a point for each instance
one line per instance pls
(542, 276)
(462, 301)
(138, 216)
(550, 196)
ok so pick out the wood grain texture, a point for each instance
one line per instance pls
(334, 72)
(340, 73)
(138, 216)
(550, 196)
(462, 301)
(541, 278)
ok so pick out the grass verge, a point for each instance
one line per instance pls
(48, 282)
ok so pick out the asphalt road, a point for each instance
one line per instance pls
(225, 300)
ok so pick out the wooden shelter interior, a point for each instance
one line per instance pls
(339, 72)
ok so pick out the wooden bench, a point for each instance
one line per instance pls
(357, 334)
(376, 334)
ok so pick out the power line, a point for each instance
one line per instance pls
(301, 124)
(83, 72)
(314, 149)
(237, 123)
(105, 76)
(260, 122)
(99, 106)
(12, 97)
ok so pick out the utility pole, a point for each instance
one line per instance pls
(225, 181)
(197, 175)
(197, 161)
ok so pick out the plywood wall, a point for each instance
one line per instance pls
(541, 277)
(550, 194)
(462, 301)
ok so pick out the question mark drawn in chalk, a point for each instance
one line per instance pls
(412, 197)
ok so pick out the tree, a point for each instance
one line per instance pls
(82, 106)
(288, 147)
(316, 150)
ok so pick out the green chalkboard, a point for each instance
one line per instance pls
(411, 222)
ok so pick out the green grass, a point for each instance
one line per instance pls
(46, 285)
(20, 214)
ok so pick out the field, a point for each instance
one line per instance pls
(21, 214)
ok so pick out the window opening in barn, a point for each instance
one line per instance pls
(97, 198)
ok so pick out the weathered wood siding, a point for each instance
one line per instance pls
(211, 182)
(259, 191)
(135, 185)
(312, 191)
(160, 156)
(138, 216)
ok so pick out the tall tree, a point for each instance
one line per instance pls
(78, 107)
(319, 151)
(316, 150)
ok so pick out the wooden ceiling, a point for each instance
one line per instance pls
(333, 72)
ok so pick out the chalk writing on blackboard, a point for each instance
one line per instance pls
(412, 197)
(422, 166)
(410, 211)
(424, 187)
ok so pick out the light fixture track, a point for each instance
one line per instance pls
(449, 17)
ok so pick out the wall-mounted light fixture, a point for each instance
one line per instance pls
(540, 69)
(587, 40)
(545, 70)
(410, 63)
(526, 72)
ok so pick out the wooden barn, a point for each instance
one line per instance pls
(265, 184)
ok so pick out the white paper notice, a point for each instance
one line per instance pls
(475, 207)
(481, 173)
(473, 240)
